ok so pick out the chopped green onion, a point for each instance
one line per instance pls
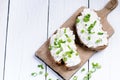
(75, 78)
(89, 37)
(86, 18)
(50, 47)
(100, 33)
(34, 74)
(46, 74)
(83, 70)
(59, 51)
(41, 66)
(98, 41)
(96, 65)
(77, 20)
(82, 31)
(65, 30)
(49, 79)
(66, 35)
(41, 72)
(64, 59)
(91, 27)
(69, 40)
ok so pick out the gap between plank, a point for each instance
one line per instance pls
(6, 38)
(47, 30)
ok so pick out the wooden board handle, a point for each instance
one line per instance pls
(112, 4)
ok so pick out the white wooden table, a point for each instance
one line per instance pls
(26, 24)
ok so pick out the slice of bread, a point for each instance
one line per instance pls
(89, 30)
(63, 49)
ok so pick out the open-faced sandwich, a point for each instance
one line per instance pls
(89, 30)
(63, 49)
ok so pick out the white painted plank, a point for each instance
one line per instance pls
(3, 23)
(108, 58)
(59, 12)
(27, 31)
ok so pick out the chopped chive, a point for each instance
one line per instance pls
(75, 78)
(61, 41)
(100, 33)
(64, 59)
(59, 51)
(89, 37)
(69, 40)
(91, 27)
(49, 79)
(46, 74)
(65, 30)
(86, 18)
(34, 74)
(66, 35)
(82, 31)
(83, 70)
(98, 41)
(41, 72)
(69, 53)
(96, 65)
(77, 20)
(41, 66)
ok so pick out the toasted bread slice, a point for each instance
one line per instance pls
(63, 49)
(89, 30)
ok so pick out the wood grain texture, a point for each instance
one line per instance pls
(85, 54)
(3, 26)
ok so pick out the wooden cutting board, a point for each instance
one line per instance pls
(44, 54)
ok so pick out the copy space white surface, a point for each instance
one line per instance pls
(27, 31)
(31, 22)
(3, 22)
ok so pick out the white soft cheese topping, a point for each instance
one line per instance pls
(62, 46)
(91, 37)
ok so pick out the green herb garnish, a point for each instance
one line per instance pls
(100, 33)
(75, 78)
(83, 70)
(82, 31)
(59, 51)
(89, 37)
(77, 20)
(49, 79)
(86, 18)
(66, 35)
(98, 41)
(69, 40)
(64, 59)
(40, 66)
(46, 74)
(91, 27)
(65, 30)
(34, 74)
(41, 72)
